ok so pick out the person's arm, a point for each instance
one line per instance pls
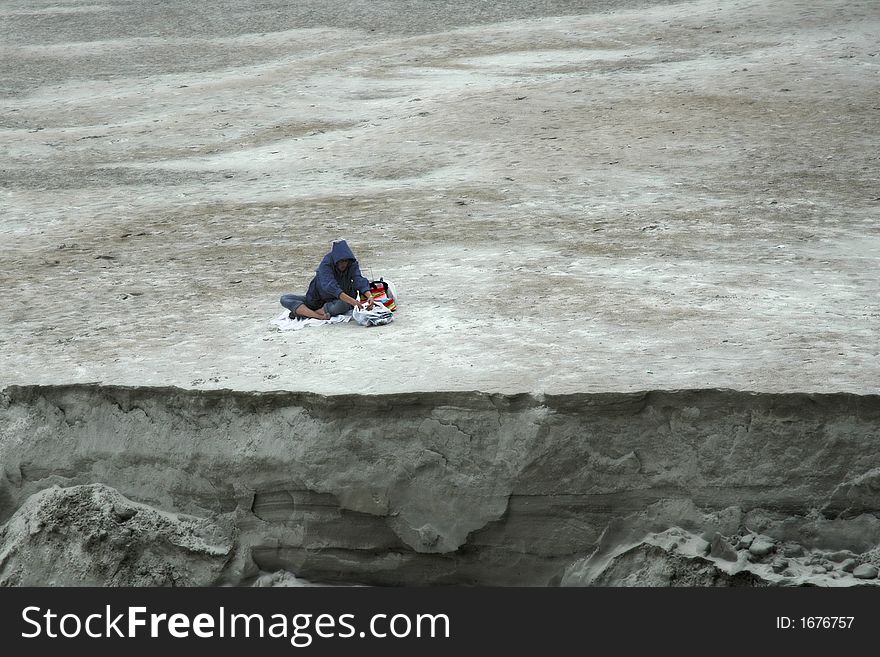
(362, 285)
(366, 301)
(351, 301)
(327, 280)
(360, 281)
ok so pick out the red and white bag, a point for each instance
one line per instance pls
(383, 292)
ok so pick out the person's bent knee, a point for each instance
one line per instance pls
(337, 307)
(291, 302)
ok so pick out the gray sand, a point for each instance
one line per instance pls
(573, 197)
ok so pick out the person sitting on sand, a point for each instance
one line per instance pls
(332, 291)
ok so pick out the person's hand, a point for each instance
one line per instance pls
(367, 302)
(351, 301)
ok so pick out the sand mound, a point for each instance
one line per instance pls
(93, 536)
(676, 557)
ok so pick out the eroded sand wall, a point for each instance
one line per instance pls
(455, 487)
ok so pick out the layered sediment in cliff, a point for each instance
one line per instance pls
(437, 488)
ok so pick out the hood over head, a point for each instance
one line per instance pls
(341, 251)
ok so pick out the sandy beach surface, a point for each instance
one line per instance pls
(580, 196)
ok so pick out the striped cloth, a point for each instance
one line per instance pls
(383, 292)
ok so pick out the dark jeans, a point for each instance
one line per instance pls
(294, 301)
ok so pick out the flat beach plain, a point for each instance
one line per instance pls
(571, 197)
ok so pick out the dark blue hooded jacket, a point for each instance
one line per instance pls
(329, 282)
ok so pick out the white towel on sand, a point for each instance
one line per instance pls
(284, 323)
